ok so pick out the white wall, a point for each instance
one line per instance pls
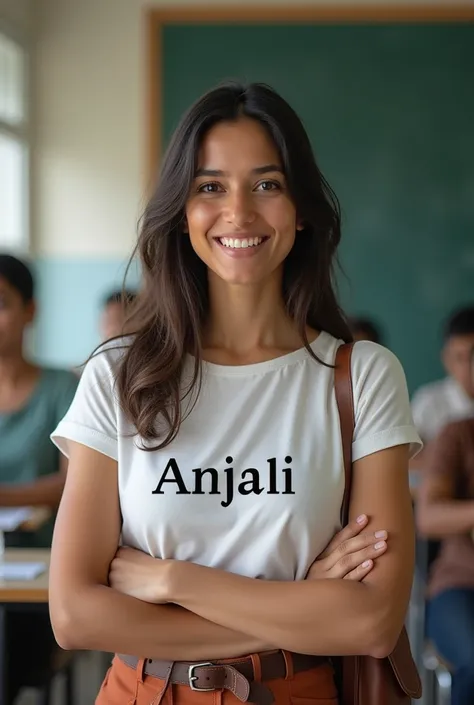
(90, 96)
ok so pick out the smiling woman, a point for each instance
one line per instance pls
(208, 442)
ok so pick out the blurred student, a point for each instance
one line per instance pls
(365, 329)
(32, 473)
(115, 310)
(452, 398)
(32, 400)
(446, 513)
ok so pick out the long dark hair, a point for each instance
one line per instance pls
(173, 303)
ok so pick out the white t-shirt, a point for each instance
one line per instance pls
(436, 405)
(276, 424)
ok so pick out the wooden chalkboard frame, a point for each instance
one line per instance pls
(156, 18)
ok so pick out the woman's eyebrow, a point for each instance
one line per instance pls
(265, 169)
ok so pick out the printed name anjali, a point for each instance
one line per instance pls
(251, 481)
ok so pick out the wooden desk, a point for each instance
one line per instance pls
(25, 595)
(26, 591)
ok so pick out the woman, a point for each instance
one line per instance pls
(32, 401)
(446, 513)
(209, 440)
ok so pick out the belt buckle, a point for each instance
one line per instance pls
(193, 678)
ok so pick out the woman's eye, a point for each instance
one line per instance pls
(209, 188)
(268, 186)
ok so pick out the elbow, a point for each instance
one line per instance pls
(383, 647)
(384, 635)
(65, 630)
(69, 622)
(67, 626)
(65, 634)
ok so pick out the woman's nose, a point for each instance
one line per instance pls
(240, 210)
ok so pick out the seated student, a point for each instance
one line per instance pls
(115, 310)
(445, 512)
(32, 401)
(365, 329)
(452, 398)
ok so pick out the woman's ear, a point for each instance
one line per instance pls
(300, 225)
(185, 226)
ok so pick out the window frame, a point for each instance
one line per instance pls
(22, 134)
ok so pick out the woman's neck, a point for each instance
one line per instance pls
(246, 321)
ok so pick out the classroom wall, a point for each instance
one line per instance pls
(89, 160)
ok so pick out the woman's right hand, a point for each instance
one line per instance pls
(351, 554)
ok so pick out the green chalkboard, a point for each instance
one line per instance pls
(390, 112)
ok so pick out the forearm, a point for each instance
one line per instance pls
(446, 518)
(46, 492)
(101, 619)
(315, 617)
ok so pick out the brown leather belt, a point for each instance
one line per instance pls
(237, 676)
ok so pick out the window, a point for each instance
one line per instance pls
(14, 146)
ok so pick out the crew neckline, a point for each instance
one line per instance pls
(317, 346)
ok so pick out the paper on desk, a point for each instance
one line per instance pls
(21, 571)
(12, 518)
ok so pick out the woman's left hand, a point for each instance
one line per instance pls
(139, 575)
(351, 554)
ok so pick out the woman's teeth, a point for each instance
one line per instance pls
(240, 243)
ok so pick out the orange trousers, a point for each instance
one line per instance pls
(124, 685)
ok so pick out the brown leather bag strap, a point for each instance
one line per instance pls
(345, 405)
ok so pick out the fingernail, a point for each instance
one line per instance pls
(366, 564)
(379, 545)
(380, 534)
(361, 519)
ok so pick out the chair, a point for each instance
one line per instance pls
(62, 664)
(439, 682)
(435, 672)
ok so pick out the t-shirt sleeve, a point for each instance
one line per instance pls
(92, 416)
(383, 417)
